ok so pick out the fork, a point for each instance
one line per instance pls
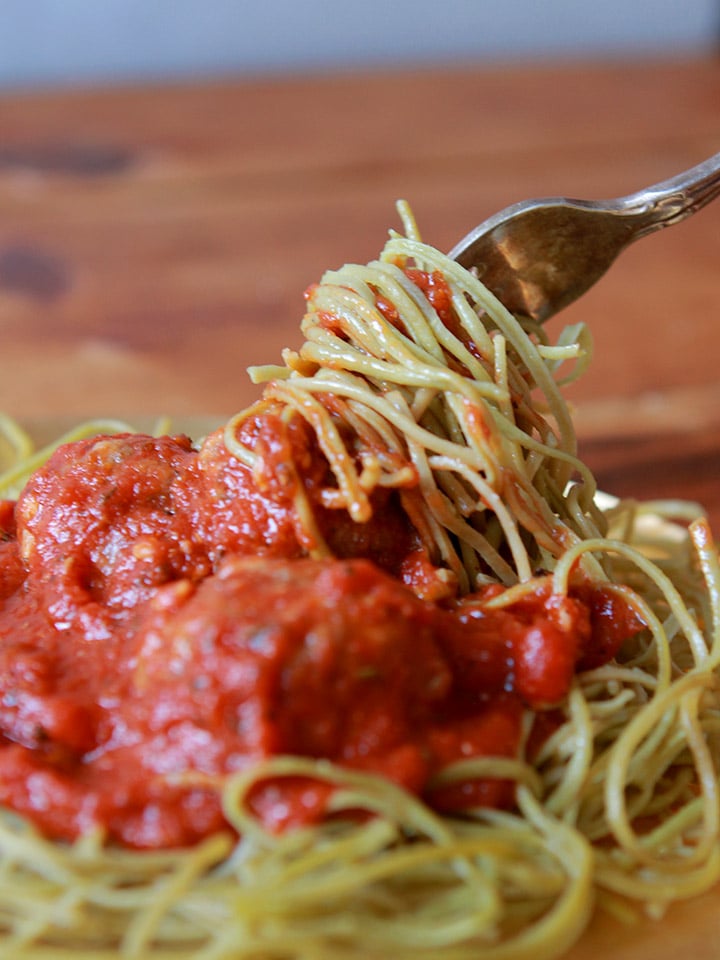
(538, 256)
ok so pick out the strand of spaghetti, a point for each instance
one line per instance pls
(325, 383)
(359, 321)
(476, 432)
(707, 775)
(331, 444)
(347, 359)
(563, 801)
(439, 418)
(586, 518)
(647, 765)
(483, 341)
(661, 886)
(329, 351)
(469, 319)
(622, 752)
(442, 510)
(307, 528)
(491, 499)
(420, 321)
(412, 811)
(386, 444)
(27, 846)
(230, 432)
(561, 926)
(422, 402)
(677, 827)
(558, 352)
(688, 625)
(663, 802)
(505, 407)
(18, 439)
(481, 768)
(612, 705)
(576, 338)
(663, 748)
(364, 325)
(43, 917)
(439, 514)
(443, 335)
(708, 556)
(309, 533)
(506, 323)
(407, 217)
(463, 499)
(449, 513)
(427, 515)
(497, 951)
(14, 478)
(166, 892)
(511, 432)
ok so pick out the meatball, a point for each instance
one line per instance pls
(108, 519)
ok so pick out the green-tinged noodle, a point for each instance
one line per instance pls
(619, 806)
(16, 469)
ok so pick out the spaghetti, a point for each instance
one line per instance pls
(415, 391)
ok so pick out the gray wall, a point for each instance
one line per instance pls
(81, 41)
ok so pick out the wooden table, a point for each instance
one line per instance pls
(155, 241)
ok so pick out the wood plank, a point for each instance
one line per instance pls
(159, 239)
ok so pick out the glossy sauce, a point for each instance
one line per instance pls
(161, 626)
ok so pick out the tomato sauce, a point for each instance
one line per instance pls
(162, 627)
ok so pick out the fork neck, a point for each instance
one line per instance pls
(671, 201)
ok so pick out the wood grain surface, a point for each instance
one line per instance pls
(154, 241)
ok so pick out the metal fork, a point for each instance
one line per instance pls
(539, 255)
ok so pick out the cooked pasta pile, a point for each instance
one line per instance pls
(457, 406)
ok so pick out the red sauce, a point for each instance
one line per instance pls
(433, 286)
(437, 291)
(161, 627)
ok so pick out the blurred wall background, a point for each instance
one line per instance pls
(98, 41)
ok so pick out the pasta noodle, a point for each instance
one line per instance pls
(621, 804)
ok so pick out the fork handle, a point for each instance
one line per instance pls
(671, 201)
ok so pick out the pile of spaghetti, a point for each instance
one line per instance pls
(418, 405)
